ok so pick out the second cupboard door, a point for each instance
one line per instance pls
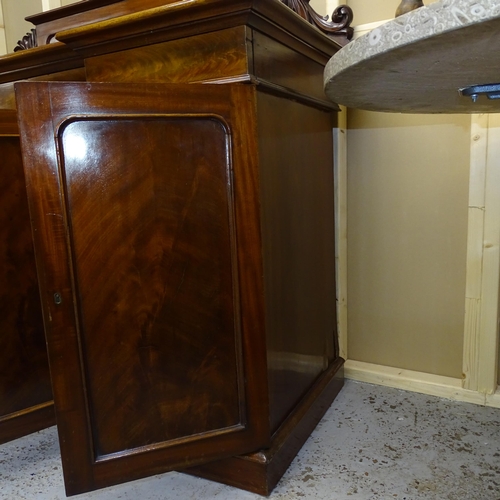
(145, 217)
(25, 391)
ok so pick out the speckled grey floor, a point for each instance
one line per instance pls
(374, 443)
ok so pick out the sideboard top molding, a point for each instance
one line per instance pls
(292, 22)
(38, 61)
(188, 17)
(88, 11)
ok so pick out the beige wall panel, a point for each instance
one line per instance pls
(369, 11)
(14, 13)
(407, 239)
(326, 7)
(319, 6)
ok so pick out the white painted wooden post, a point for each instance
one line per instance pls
(340, 179)
(50, 4)
(475, 238)
(3, 39)
(488, 340)
(483, 258)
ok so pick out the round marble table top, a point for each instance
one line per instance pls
(421, 61)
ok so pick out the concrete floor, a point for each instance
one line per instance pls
(374, 443)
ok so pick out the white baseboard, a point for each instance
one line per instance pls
(493, 400)
(424, 383)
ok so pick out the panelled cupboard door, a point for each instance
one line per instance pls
(146, 227)
(25, 390)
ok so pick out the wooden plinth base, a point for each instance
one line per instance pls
(260, 472)
(16, 425)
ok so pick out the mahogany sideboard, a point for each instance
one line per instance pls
(183, 237)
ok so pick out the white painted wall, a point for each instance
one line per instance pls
(408, 181)
(3, 40)
(447, 257)
(14, 12)
(325, 7)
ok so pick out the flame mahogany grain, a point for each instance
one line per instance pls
(184, 236)
(25, 390)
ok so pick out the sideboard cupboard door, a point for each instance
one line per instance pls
(25, 391)
(147, 238)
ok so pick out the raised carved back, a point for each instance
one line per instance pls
(28, 41)
(339, 25)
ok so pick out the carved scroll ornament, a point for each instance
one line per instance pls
(340, 23)
(27, 42)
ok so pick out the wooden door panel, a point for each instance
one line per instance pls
(154, 309)
(151, 233)
(25, 391)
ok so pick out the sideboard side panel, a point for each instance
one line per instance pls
(296, 158)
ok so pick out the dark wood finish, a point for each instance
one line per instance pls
(222, 54)
(26, 402)
(229, 55)
(28, 41)
(147, 273)
(179, 20)
(46, 60)
(260, 472)
(186, 256)
(303, 364)
(298, 227)
(7, 95)
(86, 12)
(31, 419)
(273, 61)
(25, 390)
(9, 128)
(338, 25)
